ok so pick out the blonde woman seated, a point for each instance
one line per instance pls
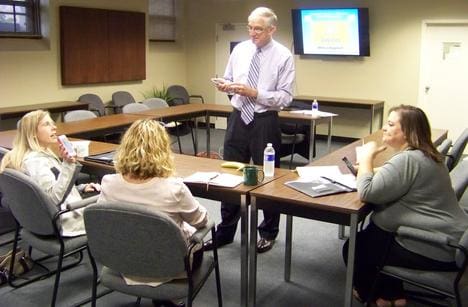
(32, 154)
(145, 168)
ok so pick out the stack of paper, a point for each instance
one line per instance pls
(215, 178)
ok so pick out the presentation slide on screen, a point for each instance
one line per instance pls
(330, 31)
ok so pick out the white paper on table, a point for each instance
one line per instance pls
(332, 172)
(215, 178)
(318, 113)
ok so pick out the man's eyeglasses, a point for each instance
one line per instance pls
(256, 30)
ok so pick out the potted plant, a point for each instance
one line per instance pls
(158, 93)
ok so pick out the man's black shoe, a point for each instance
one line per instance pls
(208, 245)
(264, 245)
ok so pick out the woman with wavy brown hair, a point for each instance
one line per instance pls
(412, 189)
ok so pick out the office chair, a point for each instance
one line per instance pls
(444, 147)
(134, 107)
(7, 220)
(443, 284)
(174, 128)
(160, 251)
(119, 99)
(457, 150)
(38, 221)
(179, 95)
(95, 103)
(293, 135)
(78, 115)
(459, 178)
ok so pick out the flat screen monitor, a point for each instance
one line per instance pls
(336, 31)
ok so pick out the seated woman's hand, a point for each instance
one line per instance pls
(369, 151)
(92, 187)
(65, 156)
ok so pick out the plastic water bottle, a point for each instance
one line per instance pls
(269, 161)
(315, 107)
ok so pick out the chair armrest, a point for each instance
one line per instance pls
(82, 203)
(198, 96)
(198, 236)
(423, 235)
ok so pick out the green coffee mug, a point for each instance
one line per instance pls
(253, 175)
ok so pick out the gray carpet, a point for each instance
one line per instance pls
(317, 279)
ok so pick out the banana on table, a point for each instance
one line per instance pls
(232, 164)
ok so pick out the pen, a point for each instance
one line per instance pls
(209, 180)
(336, 182)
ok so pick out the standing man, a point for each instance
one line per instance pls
(260, 76)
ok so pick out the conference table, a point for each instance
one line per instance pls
(58, 106)
(373, 106)
(212, 110)
(341, 209)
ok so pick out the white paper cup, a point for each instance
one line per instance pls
(81, 148)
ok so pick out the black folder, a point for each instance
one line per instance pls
(319, 187)
(105, 158)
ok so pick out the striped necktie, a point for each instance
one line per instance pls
(248, 106)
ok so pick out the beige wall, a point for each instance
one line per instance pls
(30, 69)
(30, 73)
(391, 73)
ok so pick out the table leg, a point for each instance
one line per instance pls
(196, 135)
(371, 119)
(253, 252)
(207, 121)
(341, 232)
(312, 140)
(244, 250)
(350, 267)
(288, 248)
(330, 125)
(381, 116)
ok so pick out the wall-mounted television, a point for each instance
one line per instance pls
(334, 31)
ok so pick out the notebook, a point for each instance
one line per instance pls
(106, 158)
(316, 187)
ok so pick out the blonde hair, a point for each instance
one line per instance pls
(264, 12)
(145, 151)
(25, 141)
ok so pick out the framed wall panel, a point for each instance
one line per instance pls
(99, 46)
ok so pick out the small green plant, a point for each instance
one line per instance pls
(158, 93)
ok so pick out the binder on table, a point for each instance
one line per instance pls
(319, 186)
(105, 158)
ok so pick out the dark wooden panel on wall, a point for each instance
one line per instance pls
(100, 46)
(128, 59)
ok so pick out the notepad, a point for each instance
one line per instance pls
(318, 187)
(105, 158)
(215, 178)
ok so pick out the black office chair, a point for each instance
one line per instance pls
(95, 103)
(179, 95)
(119, 99)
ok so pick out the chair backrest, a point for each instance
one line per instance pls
(459, 177)
(457, 150)
(179, 95)
(31, 207)
(155, 103)
(134, 107)
(3, 152)
(135, 239)
(95, 103)
(122, 98)
(444, 147)
(78, 115)
(459, 256)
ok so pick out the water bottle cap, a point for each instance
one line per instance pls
(270, 144)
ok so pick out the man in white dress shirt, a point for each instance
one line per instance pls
(259, 76)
